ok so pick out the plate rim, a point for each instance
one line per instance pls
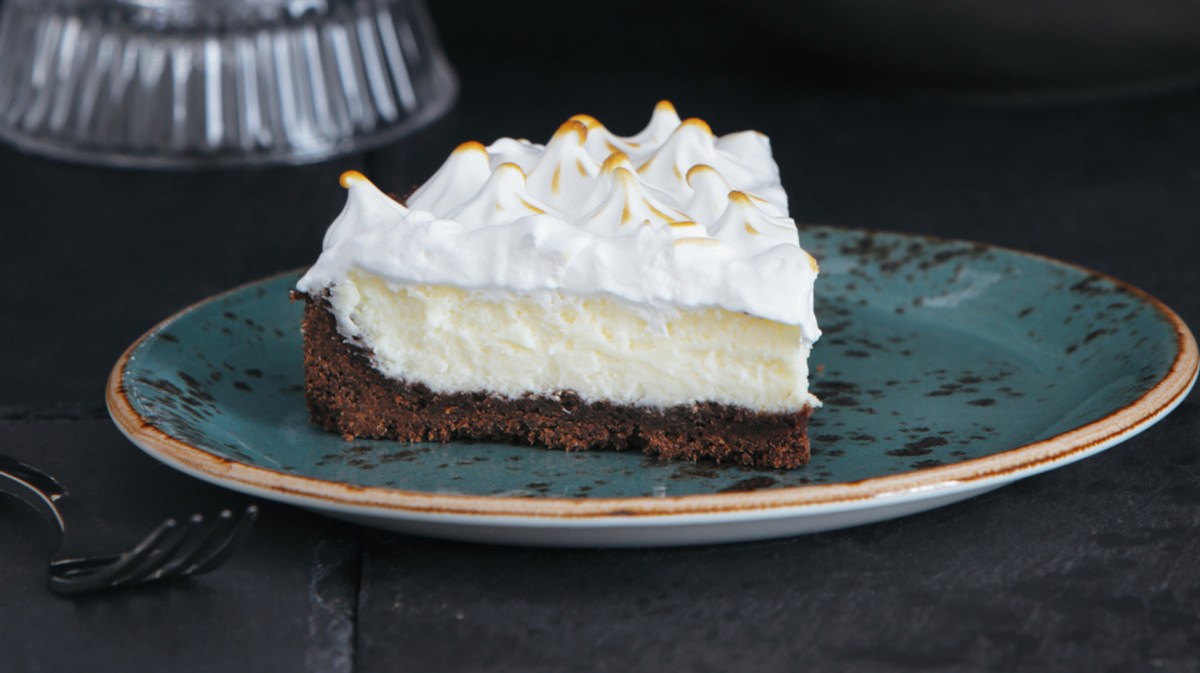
(1004, 466)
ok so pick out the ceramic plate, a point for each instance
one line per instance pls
(947, 369)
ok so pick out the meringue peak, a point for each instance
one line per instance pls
(367, 208)
(616, 160)
(471, 146)
(464, 173)
(663, 120)
(572, 127)
(628, 203)
(502, 199)
(350, 177)
(587, 120)
(698, 123)
(603, 142)
(747, 227)
(565, 168)
(691, 143)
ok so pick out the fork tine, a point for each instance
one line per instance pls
(144, 561)
(162, 553)
(68, 578)
(199, 546)
(220, 552)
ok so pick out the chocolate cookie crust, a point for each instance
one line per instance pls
(347, 395)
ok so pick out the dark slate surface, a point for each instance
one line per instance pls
(285, 602)
(1087, 568)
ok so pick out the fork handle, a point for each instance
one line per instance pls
(35, 488)
(38, 479)
(45, 494)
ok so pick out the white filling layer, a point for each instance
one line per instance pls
(543, 342)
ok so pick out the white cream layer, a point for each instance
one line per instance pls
(543, 342)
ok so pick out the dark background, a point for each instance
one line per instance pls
(1090, 567)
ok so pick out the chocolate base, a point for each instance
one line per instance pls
(347, 395)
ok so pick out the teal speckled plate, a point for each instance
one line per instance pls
(947, 369)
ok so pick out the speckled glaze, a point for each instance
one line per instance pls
(947, 369)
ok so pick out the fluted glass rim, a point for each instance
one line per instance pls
(433, 110)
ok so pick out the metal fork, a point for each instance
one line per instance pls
(171, 550)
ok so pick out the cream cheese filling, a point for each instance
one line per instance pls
(453, 339)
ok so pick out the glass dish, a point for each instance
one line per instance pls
(185, 83)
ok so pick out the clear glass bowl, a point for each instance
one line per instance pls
(216, 82)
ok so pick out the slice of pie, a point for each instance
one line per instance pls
(598, 292)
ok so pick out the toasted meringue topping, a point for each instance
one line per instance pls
(673, 216)
(349, 177)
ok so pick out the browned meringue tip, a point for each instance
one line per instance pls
(665, 106)
(697, 169)
(471, 146)
(350, 177)
(624, 176)
(570, 126)
(812, 263)
(740, 198)
(614, 161)
(510, 166)
(682, 223)
(587, 120)
(698, 123)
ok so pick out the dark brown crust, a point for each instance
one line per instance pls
(347, 395)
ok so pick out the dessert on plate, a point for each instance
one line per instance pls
(597, 292)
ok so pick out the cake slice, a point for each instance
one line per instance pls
(597, 292)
